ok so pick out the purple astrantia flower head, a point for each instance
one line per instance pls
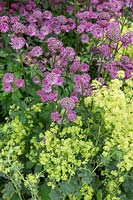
(68, 54)
(113, 32)
(53, 96)
(36, 51)
(17, 42)
(18, 28)
(67, 103)
(37, 14)
(4, 19)
(83, 67)
(44, 31)
(71, 115)
(14, 19)
(4, 27)
(31, 30)
(61, 19)
(97, 31)
(125, 60)
(19, 83)
(81, 28)
(54, 79)
(7, 87)
(47, 14)
(75, 66)
(85, 78)
(103, 23)
(55, 117)
(14, 6)
(127, 39)
(54, 45)
(70, 9)
(8, 77)
(104, 16)
(84, 38)
(104, 49)
(46, 87)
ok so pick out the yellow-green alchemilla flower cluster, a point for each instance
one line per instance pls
(117, 113)
(14, 134)
(65, 151)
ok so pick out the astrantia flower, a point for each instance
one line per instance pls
(68, 54)
(113, 32)
(104, 50)
(17, 42)
(37, 14)
(104, 16)
(54, 79)
(14, 19)
(47, 14)
(4, 19)
(97, 31)
(19, 83)
(31, 30)
(36, 51)
(71, 115)
(70, 9)
(83, 67)
(55, 117)
(67, 103)
(18, 28)
(4, 27)
(7, 87)
(127, 39)
(84, 38)
(44, 30)
(54, 45)
(75, 66)
(8, 78)
(125, 59)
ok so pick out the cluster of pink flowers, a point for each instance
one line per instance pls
(8, 80)
(42, 40)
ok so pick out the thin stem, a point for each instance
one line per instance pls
(17, 190)
(24, 74)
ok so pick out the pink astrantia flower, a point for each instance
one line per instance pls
(36, 51)
(67, 103)
(113, 32)
(18, 28)
(71, 115)
(4, 27)
(55, 117)
(8, 78)
(84, 38)
(7, 87)
(17, 42)
(19, 83)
